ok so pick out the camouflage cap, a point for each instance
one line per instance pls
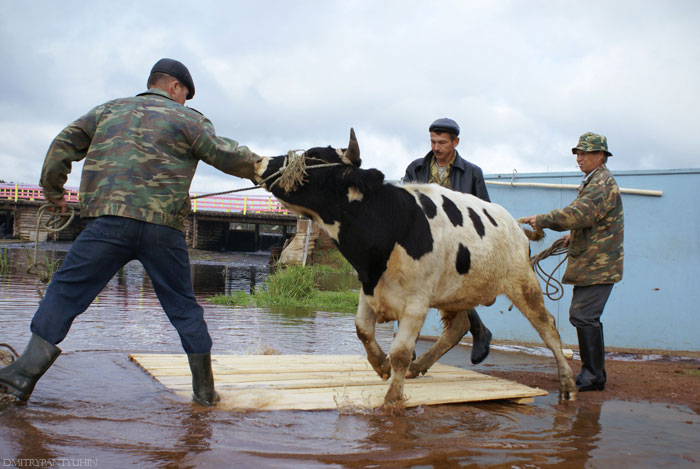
(178, 70)
(592, 142)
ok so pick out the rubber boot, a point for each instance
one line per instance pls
(20, 377)
(592, 351)
(481, 337)
(203, 392)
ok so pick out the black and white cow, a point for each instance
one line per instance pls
(415, 247)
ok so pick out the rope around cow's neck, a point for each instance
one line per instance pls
(291, 174)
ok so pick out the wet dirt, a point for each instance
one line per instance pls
(94, 407)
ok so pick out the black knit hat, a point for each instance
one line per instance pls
(178, 70)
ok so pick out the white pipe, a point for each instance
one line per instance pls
(572, 186)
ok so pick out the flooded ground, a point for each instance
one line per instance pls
(96, 408)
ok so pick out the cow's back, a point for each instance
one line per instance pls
(477, 250)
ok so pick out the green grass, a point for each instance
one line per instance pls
(4, 263)
(294, 286)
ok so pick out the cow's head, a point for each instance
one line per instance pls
(320, 181)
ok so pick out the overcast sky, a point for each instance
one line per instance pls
(522, 78)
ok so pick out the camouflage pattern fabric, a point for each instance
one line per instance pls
(435, 176)
(596, 221)
(592, 142)
(140, 156)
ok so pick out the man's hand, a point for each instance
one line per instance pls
(531, 220)
(61, 204)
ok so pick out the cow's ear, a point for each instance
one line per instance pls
(367, 180)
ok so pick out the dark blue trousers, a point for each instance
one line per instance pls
(104, 247)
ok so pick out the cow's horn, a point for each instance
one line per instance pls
(353, 151)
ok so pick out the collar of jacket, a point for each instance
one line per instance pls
(457, 163)
(156, 92)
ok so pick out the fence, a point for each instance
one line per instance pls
(232, 203)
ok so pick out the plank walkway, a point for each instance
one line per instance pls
(316, 382)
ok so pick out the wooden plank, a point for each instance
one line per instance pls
(315, 382)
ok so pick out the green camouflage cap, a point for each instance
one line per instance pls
(592, 142)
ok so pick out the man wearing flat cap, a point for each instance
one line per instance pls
(443, 165)
(596, 223)
(140, 156)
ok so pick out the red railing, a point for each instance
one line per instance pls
(220, 203)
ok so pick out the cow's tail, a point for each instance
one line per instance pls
(535, 235)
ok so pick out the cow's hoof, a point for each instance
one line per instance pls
(415, 370)
(394, 408)
(567, 396)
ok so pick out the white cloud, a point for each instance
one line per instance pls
(523, 78)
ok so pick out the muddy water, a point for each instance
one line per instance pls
(96, 408)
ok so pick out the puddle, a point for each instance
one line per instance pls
(96, 408)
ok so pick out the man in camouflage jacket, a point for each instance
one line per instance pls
(140, 156)
(595, 257)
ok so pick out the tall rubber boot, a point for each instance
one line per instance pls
(20, 376)
(592, 351)
(203, 392)
(481, 337)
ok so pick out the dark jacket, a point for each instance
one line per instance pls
(464, 176)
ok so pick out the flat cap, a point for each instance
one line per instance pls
(178, 70)
(445, 125)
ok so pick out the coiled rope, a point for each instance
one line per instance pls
(554, 290)
(52, 225)
(8, 346)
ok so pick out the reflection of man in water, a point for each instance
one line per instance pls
(140, 156)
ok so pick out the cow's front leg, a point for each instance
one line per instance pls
(365, 322)
(400, 356)
(454, 326)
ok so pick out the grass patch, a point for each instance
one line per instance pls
(294, 286)
(4, 263)
(691, 372)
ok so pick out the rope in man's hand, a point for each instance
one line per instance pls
(553, 290)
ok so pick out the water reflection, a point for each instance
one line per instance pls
(95, 403)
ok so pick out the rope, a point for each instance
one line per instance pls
(8, 346)
(554, 290)
(291, 174)
(53, 225)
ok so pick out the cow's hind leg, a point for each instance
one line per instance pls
(365, 322)
(529, 301)
(454, 326)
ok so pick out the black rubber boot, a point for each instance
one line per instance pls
(20, 377)
(203, 392)
(592, 352)
(481, 337)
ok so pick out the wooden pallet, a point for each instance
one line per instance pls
(315, 382)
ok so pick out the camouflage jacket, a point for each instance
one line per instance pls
(596, 221)
(140, 156)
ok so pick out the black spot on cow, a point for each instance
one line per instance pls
(464, 259)
(478, 224)
(371, 229)
(453, 213)
(488, 215)
(429, 206)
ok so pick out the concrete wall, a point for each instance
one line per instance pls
(657, 304)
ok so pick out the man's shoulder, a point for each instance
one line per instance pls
(463, 164)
